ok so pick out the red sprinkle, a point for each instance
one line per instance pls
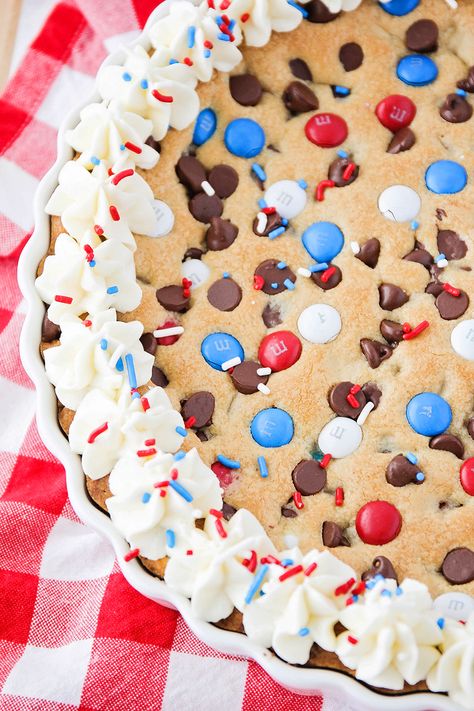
(145, 403)
(321, 188)
(406, 328)
(327, 274)
(339, 496)
(270, 559)
(208, 44)
(352, 639)
(161, 484)
(132, 147)
(146, 452)
(63, 299)
(224, 4)
(123, 174)
(216, 513)
(359, 588)
(95, 433)
(349, 601)
(150, 442)
(162, 97)
(298, 500)
(268, 210)
(188, 61)
(310, 569)
(325, 460)
(451, 289)
(244, 17)
(290, 572)
(98, 230)
(87, 322)
(258, 282)
(345, 587)
(189, 552)
(252, 562)
(114, 213)
(174, 474)
(189, 422)
(210, 3)
(162, 493)
(355, 389)
(220, 528)
(134, 553)
(352, 400)
(407, 336)
(348, 171)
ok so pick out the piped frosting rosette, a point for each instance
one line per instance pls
(113, 205)
(117, 137)
(454, 671)
(88, 277)
(392, 634)
(218, 572)
(99, 352)
(257, 18)
(105, 428)
(197, 36)
(156, 499)
(301, 602)
(163, 94)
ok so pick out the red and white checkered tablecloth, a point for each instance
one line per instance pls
(73, 633)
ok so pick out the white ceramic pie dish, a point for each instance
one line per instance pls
(337, 685)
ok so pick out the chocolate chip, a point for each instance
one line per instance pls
(193, 253)
(228, 511)
(467, 84)
(336, 172)
(333, 535)
(149, 343)
(271, 316)
(451, 245)
(191, 173)
(422, 36)
(391, 297)
(220, 234)
(420, 256)
(372, 393)
(391, 331)
(202, 436)
(351, 56)
(158, 377)
(204, 207)
(401, 472)
(225, 294)
(374, 351)
(369, 252)
(440, 213)
(273, 277)
(470, 427)
(448, 443)
(299, 98)
(435, 288)
(458, 566)
(245, 377)
(224, 179)
(402, 140)
(451, 307)
(156, 145)
(338, 400)
(327, 284)
(49, 331)
(319, 13)
(455, 109)
(380, 566)
(245, 89)
(172, 298)
(300, 69)
(288, 512)
(201, 406)
(272, 223)
(309, 477)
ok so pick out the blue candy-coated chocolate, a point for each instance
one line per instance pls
(417, 70)
(446, 177)
(272, 427)
(205, 126)
(428, 414)
(323, 241)
(399, 7)
(244, 137)
(217, 348)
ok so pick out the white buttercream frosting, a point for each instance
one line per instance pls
(107, 133)
(95, 275)
(263, 17)
(84, 200)
(300, 610)
(144, 513)
(130, 423)
(94, 354)
(140, 84)
(392, 634)
(213, 575)
(454, 671)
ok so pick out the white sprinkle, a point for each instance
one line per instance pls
(367, 409)
(304, 272)
(264, 371)
(118, 352)
(452, 3)
(263, 389)
(262, 222)
(442, 263)
(171, 331)
(207, 187)
(231, 363)
(355, 246)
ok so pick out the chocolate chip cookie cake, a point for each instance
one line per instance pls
(259, 324)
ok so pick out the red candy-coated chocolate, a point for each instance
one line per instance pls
(326, 130)
(279, 350)
(378, 522)
(466, 476)
(395, 112)
(225, 475)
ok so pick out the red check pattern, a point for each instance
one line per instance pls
(73, 633)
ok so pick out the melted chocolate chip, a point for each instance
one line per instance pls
(273, 277)
(245, 377)
(149, 343)
(156, 145)
(193, 253)
(338, 400)
(374, 351)
(288, 512)
(220, 234)
(455, 109)
(228, 511)
(402, 140)
(245, 89)
(372, 393)
(333, 536)
(401, 472)
(337, 169)
(191, 173)
(299, 98)
(202, 436)
(327, 284)
(451, 245)
(391, 297)
(467, 84)
(440, 213)
(271, 316)
(200, 406)
(224, 179)
(422, 36)
(158, 377)
(300, 69)
(309, 477)
(391, 331)
(458, 566)
(49, 331)
(273, 221)
(319, 13)
(172, 298)
(448, 443)
(470, 427)
(380, 566)
(435, 288)
(351, 56)
(420, 256)
(369, 252)
(225, 294)
(451, 307)
(204, 207)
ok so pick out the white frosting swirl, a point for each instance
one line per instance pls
(213, 576)
(454, 671)
(144, 513)
(294, 613)
(263, 17)
(130, 423)
(117, 137)
(84, 273)
(84, 200)
(192, 33)
(93, 354)
(145, 87)
(392, 634)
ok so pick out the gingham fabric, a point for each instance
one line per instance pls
(73, 633)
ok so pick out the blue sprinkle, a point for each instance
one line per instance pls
(132, 377)
(122, 147)
(414, 225)
(304, 12)
(420, 476)
(92, 263)
(411, 457)
(343, 154)
(386, 593)
(103, 344)
(135, 395)
(112, 290)
(262, 465)
(355, 598)
(181, 490)
(231, 25)
(207, 53)
(461, 92)
(303, 184)
(440, 257)
(181, 431)
(440, 622)
(370, 585)
(276, 232)
(256, 582)
(179, 455)
(223, 37)
(146, 497)
(126, 76)
(281, 265)
(319, 267)
(398, 591)
(144, 84)
(119, 365)
(259, 172)
(170, 538)
(173, 61)
(274, 285)
(289, 284)
(284, 221)
(303, 632)
(95, 160)
(378, 577)
(191, 36)
(262, 203)
(225, 275)
(341, 90)
(287, 562)
(229, 463)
